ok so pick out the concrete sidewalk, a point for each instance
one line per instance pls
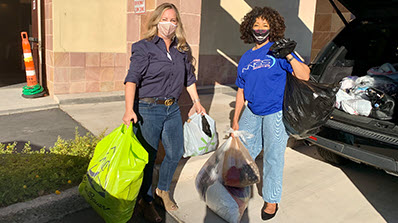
(12, 102)
(314, 191)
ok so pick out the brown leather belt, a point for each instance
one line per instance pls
(166, 102)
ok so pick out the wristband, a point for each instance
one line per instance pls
(290, 59)
(195, 100)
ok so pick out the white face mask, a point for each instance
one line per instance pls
(166, 29)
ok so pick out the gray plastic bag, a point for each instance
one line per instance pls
(200, 135)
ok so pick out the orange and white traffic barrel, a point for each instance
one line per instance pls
(33, 89)
(31, 78)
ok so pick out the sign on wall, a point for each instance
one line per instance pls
(139, 6)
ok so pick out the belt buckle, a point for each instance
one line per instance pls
(169, 102)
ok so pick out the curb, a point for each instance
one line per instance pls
(100, 97)
(52, 207)
(29, 109)
(217, 89)
(86, 98)
(45, 208)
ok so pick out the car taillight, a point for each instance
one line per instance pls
(313, 138)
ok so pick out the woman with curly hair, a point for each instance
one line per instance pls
(261, 82)
(161, 65)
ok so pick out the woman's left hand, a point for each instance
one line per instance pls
(199, 108)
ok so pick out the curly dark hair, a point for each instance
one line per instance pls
(274, 19)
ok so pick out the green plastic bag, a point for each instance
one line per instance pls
(115, 174)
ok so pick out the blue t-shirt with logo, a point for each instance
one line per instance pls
(262, 78)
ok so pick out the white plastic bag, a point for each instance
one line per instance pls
(200, 135)
(229, 206)
(357, 106)
(342, 96)
(348, 83)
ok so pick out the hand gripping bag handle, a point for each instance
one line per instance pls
(127, 129)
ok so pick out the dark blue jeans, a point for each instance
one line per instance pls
(159, 122)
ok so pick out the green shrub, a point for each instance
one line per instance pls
(30, 174)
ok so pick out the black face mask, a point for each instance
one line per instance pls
(261, 35)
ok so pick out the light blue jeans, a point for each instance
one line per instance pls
(269, 133)
(159, 122)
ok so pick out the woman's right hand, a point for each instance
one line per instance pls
(129, 116)
(235, 127)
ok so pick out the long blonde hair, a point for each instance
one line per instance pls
(152, 28)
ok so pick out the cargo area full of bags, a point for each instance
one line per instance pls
(372, 95)
(363, 59)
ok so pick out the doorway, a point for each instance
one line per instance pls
(15, 17)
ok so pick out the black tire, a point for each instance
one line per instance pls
(331, 157)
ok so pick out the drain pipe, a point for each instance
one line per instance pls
(39, 45)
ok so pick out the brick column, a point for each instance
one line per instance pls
(327, 24)
(49, 54)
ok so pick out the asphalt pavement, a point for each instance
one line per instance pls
(40, 128)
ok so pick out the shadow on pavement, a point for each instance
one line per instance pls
(378, 187)
(90, 216)
(94, 195)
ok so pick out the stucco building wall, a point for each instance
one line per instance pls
(88, 43)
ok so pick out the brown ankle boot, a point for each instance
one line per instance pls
(148, 211)
(168, 204)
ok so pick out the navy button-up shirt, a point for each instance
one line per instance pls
(155, 74)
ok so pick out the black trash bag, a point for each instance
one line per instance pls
(307, 106)
(382, 104)
(206, 126)
(387, 84)
(283, 47)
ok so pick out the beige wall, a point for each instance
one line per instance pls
(73, 64)
(221, 46)
(89, 25)
(78, 60)
(88, 43)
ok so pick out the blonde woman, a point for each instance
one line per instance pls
(160, 67)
